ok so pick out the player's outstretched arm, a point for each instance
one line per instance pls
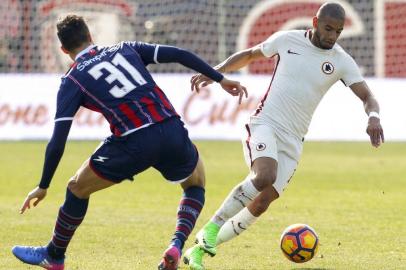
(235, 62)
(168, 54)
(53, 155)
(240, 59)
(374, 128)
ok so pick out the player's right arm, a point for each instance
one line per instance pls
(371, 106)
(352, 78)
(241, 59)
(68, 102)
(233, 63)
(154, 53)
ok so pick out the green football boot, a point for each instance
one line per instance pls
(206, 238)
(193, 258)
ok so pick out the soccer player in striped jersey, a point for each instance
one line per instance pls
(146, 132)
(309, 63)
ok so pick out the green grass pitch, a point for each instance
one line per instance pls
(352, 194)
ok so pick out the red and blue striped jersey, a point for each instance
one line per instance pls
(115, 82)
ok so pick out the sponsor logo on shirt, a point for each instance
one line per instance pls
(81, 66)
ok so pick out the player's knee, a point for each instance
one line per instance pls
(194, 180)
(72, 183)
(78, 189)
(264, 178)
(197, 178)
(201, 182)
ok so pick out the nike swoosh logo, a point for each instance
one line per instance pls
(292, 52)
(235, 231)
(240, 226)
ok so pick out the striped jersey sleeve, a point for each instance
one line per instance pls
(68, 101)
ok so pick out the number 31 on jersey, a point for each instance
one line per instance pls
(116, 74)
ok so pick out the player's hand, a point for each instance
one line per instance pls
(37, 194)
(234, 88)
(198, 81)
(375, 131)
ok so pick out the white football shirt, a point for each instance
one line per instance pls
(302, 76)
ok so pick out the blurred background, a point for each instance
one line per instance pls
(212, 28)
(31, 62)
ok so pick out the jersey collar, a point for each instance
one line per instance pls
(84, 51)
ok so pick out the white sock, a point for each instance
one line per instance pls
(235, 226)
(238, 198)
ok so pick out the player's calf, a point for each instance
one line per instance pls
(261, 202)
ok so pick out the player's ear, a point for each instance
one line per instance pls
(315, 22)
(64, 50)
(89, 37)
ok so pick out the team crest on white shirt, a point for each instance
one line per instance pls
(327, 68)
(261, 147)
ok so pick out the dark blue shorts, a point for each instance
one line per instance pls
(164, 146)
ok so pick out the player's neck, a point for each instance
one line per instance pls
(75, 52)
(313, 39)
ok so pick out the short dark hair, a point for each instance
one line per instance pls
(333, 10)
(72, 32)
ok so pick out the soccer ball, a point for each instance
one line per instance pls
(299, 243)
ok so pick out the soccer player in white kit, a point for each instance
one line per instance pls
(308, 64)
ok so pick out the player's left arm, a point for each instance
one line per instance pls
(68, 102)
(53, 155)
(371, 106)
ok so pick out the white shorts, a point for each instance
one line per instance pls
(264, 140)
